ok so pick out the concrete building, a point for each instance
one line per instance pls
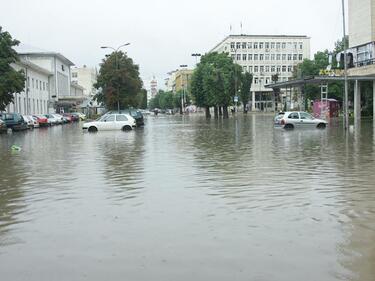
(35, 96)
(362, 46)
(264, 56)
(152, 90)
(59, 83)
(182, 80)
(86, 77)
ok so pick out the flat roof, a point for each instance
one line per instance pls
(317, 80)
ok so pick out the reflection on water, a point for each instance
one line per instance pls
(216, 200)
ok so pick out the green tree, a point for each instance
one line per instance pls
(141, 99)
(247, 80)
(215, 81)
(11, 81)
(119, 81)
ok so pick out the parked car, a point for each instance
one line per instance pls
(81, 116)
(14, 121)
(3, 127)
(68, 117)
(60, 119)
(31, 122)
(42, 120)
(136, 114)
(74, 116)
(292, 120)
(52, 120)
(107, 122)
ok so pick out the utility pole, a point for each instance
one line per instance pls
(346, 107)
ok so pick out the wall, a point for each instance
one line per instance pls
(361, 22)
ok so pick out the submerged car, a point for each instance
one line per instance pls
(136, 114)
(108, 122)
(292, 120)
(42, 120)
(3, 127)
(14, 121)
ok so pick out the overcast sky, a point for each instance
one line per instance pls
(163, 33)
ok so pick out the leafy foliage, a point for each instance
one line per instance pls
(118, 80)
(11, 81)
(247, 80)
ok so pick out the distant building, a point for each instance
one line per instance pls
(170, 82)
(182, 80)
(153, 89)
(264, 56)
(86, 77)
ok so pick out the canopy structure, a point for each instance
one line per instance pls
(324, 81)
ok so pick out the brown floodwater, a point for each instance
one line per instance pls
(188, 199)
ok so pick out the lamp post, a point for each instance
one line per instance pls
(196, 55)
(183, 84)
(117, 68)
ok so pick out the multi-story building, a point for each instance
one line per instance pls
(59, 82)
(182, 80)
(86, 77)
(264, 56)
(153, 89)
(35, 96)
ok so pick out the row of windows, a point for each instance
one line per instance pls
(267, 68)
(266, 80)
(266, 45)
(37, 84)
(30, 106)
(266, 57)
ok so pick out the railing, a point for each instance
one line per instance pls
(363, 63)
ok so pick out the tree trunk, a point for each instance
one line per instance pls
(216, 112)
(208, 114)
(225, 112)
(220, 111)
(181, 110)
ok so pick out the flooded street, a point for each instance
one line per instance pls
(188, 199)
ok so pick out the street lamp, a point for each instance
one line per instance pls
(196, 57)
(117, 68)
(183, 84)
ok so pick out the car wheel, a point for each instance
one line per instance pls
(288, 127)
(127, 128)
(321, 126)
(93, 129)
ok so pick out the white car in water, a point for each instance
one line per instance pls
(109, 122)
(292, 120)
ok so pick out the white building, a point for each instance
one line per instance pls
(59, 83)
(153, 90)
(35, 96)
(86, 77)
(264, 56)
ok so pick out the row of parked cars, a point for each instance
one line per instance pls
(18, 122)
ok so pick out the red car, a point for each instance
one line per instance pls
(68, 117)
(43, 121)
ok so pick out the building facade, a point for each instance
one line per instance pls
(264, 56)
(35, 96)
(86, 77)
(182, 80)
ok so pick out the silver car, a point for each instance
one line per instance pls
(294, 119)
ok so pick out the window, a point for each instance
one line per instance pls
(289, 57)
(273, 45)
(278, 57)
(300, 57)
(267, 80)
(295, 46)
(28, 81)
(293, 116)
(40, 85)
(62, 67)
(284, 68)
(121, 118)
(290, 68)
(255, 45)
(294, 57)
(44, 86)
(231, 46)
(267, 68)
(74, 74)
(301, 46)
(109, 118)
(250, 69)
(255, 68)
(278, 44)
(32, 82)
(238, 57)
(250, 57)
(284, 45)
(256, 80)
(250, 45)
(261, 69)
(36, 82)
(273, 68)
(284, 56)
(267, 45)
(244, 68)
(244, 57)
(273, 57)
(278, 69)
(255, 57)
(305, 115)
(261, 57)
(260, 45)
(244, 45)
(267, 57)
(238, 45)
